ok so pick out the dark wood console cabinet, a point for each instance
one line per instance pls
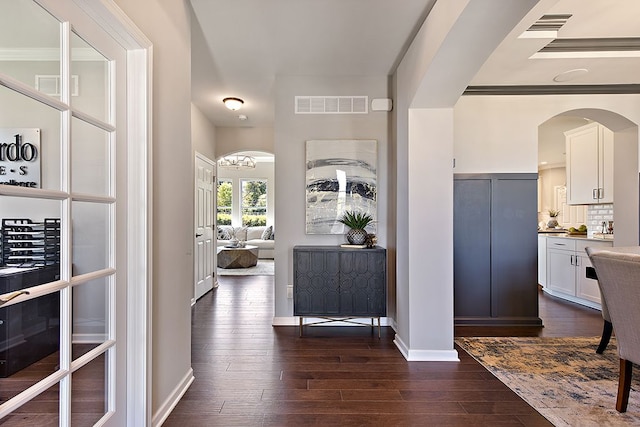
(332, 282)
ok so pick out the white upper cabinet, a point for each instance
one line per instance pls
(589, 165)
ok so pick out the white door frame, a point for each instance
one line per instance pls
(139, 241)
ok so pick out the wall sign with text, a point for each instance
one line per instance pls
(20, 157)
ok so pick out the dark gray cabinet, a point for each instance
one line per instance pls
(341, 282)
(495, 249)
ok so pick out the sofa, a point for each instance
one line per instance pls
(254, 236)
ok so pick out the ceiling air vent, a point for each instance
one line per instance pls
(546, 27)
(331, 104)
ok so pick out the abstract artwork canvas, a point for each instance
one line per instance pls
(340, 176)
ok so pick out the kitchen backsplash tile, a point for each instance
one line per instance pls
(596, 214)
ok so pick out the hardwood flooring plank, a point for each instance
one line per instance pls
(428, 385)
(342, 407)
(285, 394)
(384, 420)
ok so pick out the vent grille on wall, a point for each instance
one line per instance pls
(51, 85)
(546, 27)
(331, 104)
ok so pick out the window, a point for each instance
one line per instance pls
(224, 202)
(254, 202)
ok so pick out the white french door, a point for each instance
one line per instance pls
(64, 270)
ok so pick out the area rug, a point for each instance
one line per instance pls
(264, 268)
(562, 378)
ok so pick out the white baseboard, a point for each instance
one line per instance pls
(172, 400)
(425, 355)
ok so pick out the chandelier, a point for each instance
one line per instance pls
(237, 162)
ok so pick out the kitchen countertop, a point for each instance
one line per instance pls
(563, 233)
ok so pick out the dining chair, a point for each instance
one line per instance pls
(618, 271)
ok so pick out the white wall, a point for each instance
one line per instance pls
(500, 133)
(291, 132)
(203, 134)
(166, 24)
(439, 64)
(233, 139)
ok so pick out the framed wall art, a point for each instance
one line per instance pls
(340, 176)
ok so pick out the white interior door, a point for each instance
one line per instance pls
(205, 225)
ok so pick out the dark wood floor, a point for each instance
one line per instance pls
(249, 373)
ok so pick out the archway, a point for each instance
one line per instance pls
(626, 184)
(245, 206)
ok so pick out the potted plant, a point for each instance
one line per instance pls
(357, 222)
(553, 214)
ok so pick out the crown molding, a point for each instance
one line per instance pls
(611, 89)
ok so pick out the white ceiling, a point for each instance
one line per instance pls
(239, 47)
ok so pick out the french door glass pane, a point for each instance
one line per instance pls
(30, 40)
(30, 240)
(90, 156)
(91, 237)
(42, 411)
(254, 202)
(88, 396)
(90, 315)
(30, 142)
(90, 79)
(29, 342)
(224, 202)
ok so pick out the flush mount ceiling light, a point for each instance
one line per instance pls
(237, 162)
(233, 104)
(570, 75)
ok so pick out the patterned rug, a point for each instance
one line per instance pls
(562, 378)
(264, 268)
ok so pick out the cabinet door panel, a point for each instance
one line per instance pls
(514, 248)
(586, 288)
(561, 273)
(472, 247)
(362, 282)
(316, 283)
(582, 166)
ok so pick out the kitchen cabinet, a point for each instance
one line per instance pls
(331, 281)
(542, 260)
(589, 165)
(567, 262)
(495, 249)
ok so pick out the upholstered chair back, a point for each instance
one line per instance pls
(618, 273)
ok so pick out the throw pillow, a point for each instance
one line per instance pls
(273, 235)
(240, 233)
(266, 234)
(224, 233)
